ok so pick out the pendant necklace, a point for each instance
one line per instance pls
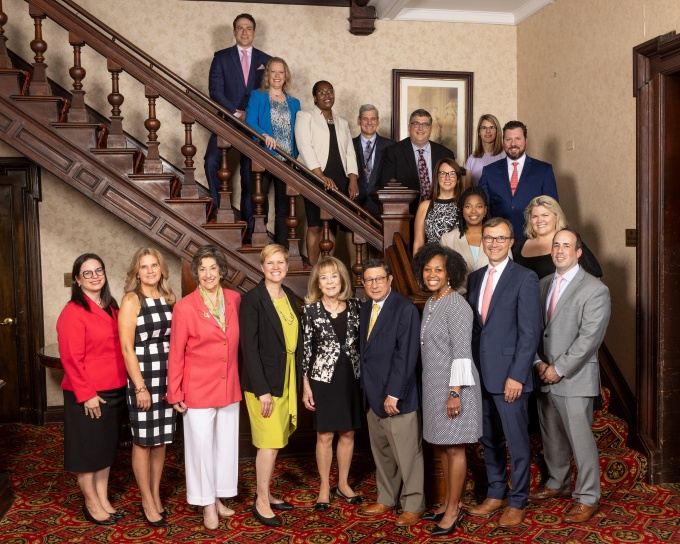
(334, 311)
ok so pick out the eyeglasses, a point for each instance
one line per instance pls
(87, 274)
(447, 175)
(499, 239)
(326, 92)
(420, 125)
(378, 281)
(487, 129)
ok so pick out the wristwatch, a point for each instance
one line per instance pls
(453, 394)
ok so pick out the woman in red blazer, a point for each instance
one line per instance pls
(94, 385)
(203, 384)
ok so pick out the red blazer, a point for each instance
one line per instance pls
(203, 360)
(89, 349)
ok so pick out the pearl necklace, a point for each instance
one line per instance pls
(433, 302)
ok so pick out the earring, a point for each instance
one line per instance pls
(137, 280)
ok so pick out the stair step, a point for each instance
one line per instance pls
(121, 159)
(45, 108)
(84, 135)
(230, 234)
(610, 431)
(192, 209)
(157, 185)
(10, 82)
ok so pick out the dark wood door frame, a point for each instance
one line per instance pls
(656, 84)
(23, 176)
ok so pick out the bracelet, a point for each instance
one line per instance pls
(140, 390)
(453, 394)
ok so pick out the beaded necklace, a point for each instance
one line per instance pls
(432, 306)
(291, 317)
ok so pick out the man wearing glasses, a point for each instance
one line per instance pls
(511, 184)
(411, 160)
(390, 326)
(506, 301)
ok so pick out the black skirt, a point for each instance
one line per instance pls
(90, 443)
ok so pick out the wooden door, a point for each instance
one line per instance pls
(22, 399)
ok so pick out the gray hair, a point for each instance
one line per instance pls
(368, 107)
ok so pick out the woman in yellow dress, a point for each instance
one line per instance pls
(271, 342)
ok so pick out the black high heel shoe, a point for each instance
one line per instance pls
(89, 517)
(356, 499)
(164, 514)
(445, 531)
(160, 523)
(431, 516)
(274, 521)
(322, 506)
(118, 514)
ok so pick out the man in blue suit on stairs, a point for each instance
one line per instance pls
(234, 72)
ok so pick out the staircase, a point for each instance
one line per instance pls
(95, 155)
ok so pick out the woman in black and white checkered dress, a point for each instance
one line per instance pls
(144, 328)
(452, 398)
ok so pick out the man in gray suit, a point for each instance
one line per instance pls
(576, 310)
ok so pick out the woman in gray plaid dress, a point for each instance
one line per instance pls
(452, 397)
(144, 329)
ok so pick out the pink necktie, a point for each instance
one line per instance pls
(425, 185)
(514, 180)
(555, 296)
(488, 291)
(245, 65)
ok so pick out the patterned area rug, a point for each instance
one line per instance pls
(47, 508)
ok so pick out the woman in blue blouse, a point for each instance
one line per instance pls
(271, 112)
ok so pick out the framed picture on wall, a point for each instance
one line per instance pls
(448, 98)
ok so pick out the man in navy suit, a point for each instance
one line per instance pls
(413, 159)
(370, 148)
(506, 301)
(390, 327)
(511, 184)
(229, 88)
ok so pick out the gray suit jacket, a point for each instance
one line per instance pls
(574, 333)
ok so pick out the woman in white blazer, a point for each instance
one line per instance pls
(325, 146)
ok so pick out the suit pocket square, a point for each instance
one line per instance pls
(260, 67)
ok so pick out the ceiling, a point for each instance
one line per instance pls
(494, 12)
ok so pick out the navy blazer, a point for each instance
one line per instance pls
(259, 115)
(505, 346)
(537, 179)
(263, 345)
(226, 84)
(390, 355)
(366, 187)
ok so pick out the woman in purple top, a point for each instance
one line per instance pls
(489, 148)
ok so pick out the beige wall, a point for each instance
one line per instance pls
(575, 83)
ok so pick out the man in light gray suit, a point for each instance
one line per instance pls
(576, 310)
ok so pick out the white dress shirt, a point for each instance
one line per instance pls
(499, 270)
(427, 155)
(520, 166)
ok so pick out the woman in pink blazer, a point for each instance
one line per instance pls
(203, 384)
(94, 385)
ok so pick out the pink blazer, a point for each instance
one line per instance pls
(89, 349)
(203, 360)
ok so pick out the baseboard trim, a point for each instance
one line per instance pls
(54, 414)
(6, 495)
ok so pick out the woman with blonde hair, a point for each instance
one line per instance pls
(488, 149)
(271, 343)
(330, 370)
(543, 218)
(144, 327)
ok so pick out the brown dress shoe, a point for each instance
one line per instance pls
(545, 492)
(376, 509)
(488, 507)
(511, 517)
(579, 513)
(407, 518)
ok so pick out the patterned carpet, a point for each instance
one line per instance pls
(48, 505)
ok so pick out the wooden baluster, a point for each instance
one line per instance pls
(39, 85)
(189, 188)
(77, 113)
(292, 222)
(260, 236)
(116, 138)
(225, 213)
(5, 62)
(359, 248)
(326, 244)
(152, 164)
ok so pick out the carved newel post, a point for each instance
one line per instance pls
(394, 199)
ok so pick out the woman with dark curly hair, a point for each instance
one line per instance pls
(452, 397)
